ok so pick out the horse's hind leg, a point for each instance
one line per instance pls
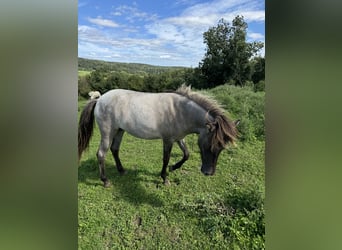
(182, 146)
(101, 155)
(115, 150)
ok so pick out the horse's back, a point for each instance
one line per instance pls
(144, 115)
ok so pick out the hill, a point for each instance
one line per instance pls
(131, 68)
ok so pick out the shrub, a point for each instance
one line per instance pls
(83, 87)
(259, 86)
(244, 104)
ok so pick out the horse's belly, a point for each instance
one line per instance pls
(144, 135)
(142, 131)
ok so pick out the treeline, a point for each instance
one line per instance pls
(131, 68)
(103, 81)
(229, 59)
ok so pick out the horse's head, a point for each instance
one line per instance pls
(213, 140)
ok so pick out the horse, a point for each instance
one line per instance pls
(94, 94)
(169, 116)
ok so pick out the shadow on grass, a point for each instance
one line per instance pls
(135, 187)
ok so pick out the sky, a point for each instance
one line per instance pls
(159, 32)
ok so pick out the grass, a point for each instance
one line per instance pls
(224, 211)
(83, 72)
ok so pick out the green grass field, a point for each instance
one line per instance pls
(224, 211)
(83, 72)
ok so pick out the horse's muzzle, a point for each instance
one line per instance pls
(207, 171)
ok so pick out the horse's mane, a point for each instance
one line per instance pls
(225, 131)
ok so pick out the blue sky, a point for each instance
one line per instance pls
(160, 32)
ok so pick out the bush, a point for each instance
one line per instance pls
(246, 225)
(259, 86)
(83, 87)
(244, 104)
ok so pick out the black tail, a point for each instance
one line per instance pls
(85, 126)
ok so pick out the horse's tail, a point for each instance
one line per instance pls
(85, 126)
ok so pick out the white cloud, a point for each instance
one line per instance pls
(116, 13)
(91, 35)
(253, 16)
(208, 14)
(84, 29)
(193, 21)
(256, 36)
(103, 22)
(133, 13)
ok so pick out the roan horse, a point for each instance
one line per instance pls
(169, 116)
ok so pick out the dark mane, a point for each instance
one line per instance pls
(225, 131)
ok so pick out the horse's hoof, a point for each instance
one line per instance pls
(123, 172)
(171, 168)
(107, 184)
(167, 183)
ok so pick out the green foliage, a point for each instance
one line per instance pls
(103, 76)
(246, 105)
(225, 211)
(97, 81)
(129, 68)
(83, 86)
(258, 64)
(170, 80)
(228, 53)
(103, 80)
(195, 78)
(83, 72)
(259, 86)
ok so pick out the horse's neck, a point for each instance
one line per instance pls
(198, 116)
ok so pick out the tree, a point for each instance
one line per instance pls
(96, 80)
(258, 69)
(195, 78)
(228, 55)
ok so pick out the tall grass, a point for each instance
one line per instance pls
(246, 105)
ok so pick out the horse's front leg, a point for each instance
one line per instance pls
(182, 146)
(167, 147)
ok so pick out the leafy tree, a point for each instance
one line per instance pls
(151, 83)
(258, 69)
(227, 56)
(195, 78)
(135, 82)
(113, 81)
(96, 80)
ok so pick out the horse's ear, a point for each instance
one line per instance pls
(237, 122)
